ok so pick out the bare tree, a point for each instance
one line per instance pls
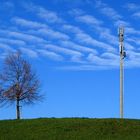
(19, 84)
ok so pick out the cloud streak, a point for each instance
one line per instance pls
(86, 42)
(40, 29)
(46, 15)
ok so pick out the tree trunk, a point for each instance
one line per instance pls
(18, 109)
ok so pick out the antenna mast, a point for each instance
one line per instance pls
(122, 56)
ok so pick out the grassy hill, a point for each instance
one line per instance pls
(70, 129)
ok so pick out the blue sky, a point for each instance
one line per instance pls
(73, 45)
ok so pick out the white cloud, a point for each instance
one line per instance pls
(131, 30)
(97, 25)
(40, 29)
(133, 59)
(22, 36)
(46, 15)
(128, 46)
(76, 58)
(136, 14)
(29, 52)
(48, 33)
(65, 51)
(89, 19)
(26, 37)
(5, 47)
(71, 28)
(76, 12)
(102, 61)
(134, 40)
(121, 22)
(49, 16)
(85, 38)
(109, 37)
(110, 55)
(87, 67)
(111, 13)
(51, 55)
(134, 54)
(107, 10)
(28, 23)
(132, 6)
(12, 41)
(70, 44)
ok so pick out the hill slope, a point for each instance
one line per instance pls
(70, 129)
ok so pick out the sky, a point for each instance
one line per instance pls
(73, 46)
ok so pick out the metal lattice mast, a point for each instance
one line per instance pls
(122, 56)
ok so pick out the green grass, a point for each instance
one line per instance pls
(70, 129)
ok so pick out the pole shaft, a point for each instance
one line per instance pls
(121, 86)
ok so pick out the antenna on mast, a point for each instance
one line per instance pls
(122, 56)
